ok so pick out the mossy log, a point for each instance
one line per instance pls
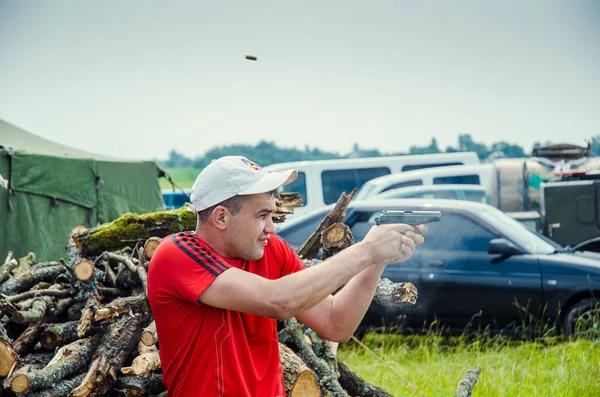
(131, 228)
(120, 339)
(69, 360)
(310, 248)
(140, 385)
(299, 380)
(466, 385)
(25, 281)
(60, 389)
(356, 386)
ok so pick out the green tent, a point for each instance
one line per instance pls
(47, 189)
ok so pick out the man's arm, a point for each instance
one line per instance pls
(296, 293)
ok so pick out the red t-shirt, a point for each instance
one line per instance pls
(206, 351)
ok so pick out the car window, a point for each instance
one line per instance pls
(411, 167)
(457, 180)
(299, 185)
(337, 181)
(444, 194)
(474, 195)
(457, 233)
(414, 182)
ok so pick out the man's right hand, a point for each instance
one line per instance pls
(393, 242)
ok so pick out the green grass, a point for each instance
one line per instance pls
(430, 366)
(183, 177)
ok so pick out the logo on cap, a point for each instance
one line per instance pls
(251, 164)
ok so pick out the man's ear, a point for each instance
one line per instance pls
(219, 217)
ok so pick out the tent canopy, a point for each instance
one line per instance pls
(47, 189)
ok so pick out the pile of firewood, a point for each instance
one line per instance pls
(82, 325)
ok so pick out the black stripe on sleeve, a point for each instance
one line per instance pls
(195, 258)
(203, 252)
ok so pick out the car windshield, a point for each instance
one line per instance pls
(517, 232)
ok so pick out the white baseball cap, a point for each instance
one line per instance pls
(232, 176)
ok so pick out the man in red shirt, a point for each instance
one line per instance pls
(217, 293)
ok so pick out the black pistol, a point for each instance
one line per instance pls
(412, 218)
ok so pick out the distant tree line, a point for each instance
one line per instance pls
(266, 152)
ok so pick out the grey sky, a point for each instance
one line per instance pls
(138, 78)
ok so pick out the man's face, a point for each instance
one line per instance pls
(251, 228)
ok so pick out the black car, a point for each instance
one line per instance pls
(477, 269)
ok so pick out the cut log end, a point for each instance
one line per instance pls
(305, 385)
(49, 340)
(336, 235)
(20, 383)
(8, 359)
(84, 270)
(77, 230)
(148, 338)
(150, 246)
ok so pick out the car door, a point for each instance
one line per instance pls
(469, 286)
(409, 271)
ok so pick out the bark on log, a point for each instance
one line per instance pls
(8, 267)
(39, 308)
(388, 293)
(336, 238)
(285, 203)
(53, 293)
(53, 335)
(311, 246)
(356, 386)
(110, 277)
(130, 304)
(8, 357)
(150, 246)
(60, 389)
(140, 385)
(68, 361)
(465, 386)
(149, 335)
(27, 340)
(293, 334)
(147, 362)
(106, 292)
(110, 356)
(299, 380)
(132, 228)
(25, 281)
(25, 264)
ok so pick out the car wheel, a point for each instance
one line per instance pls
(583, 319)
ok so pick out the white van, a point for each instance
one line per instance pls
(473, 174)
(321, 182)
